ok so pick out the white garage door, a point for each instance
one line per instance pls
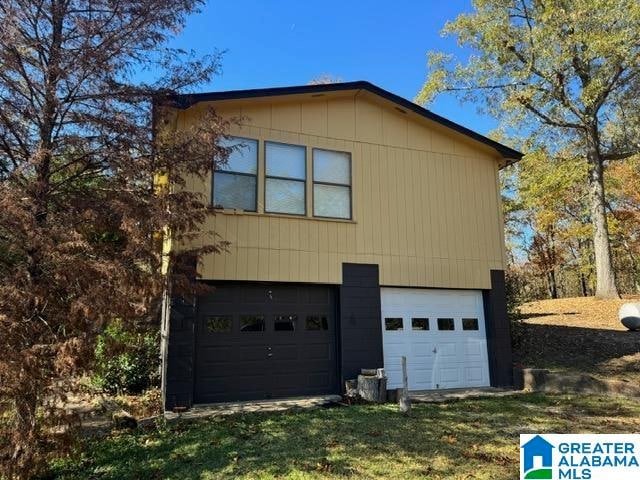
(442, 334)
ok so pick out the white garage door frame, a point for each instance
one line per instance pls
(436, 358)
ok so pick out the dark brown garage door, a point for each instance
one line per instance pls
(256, 341)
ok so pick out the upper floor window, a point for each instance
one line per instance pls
(331, 184)
(234, 184)
(285, 178)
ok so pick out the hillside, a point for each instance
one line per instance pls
(578, 335)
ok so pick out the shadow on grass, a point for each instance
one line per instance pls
(589, 350)
(361, 441)
(527, 316)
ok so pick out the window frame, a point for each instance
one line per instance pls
(400, 329)
(261, 318)
(427, 323)
(331, 184)
(324, 322)
(292, 318)
(208, 329)
(474, 320)
(453, 324)
(286, 179)
(255, 175)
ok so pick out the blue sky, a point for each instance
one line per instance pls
(283, 42)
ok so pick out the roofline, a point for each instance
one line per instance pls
(184, 101)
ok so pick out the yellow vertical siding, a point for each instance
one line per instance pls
(426, 204)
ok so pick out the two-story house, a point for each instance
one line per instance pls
(363, 228)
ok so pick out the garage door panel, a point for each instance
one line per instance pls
(474, 374)
(244, 365)
(290, 380)
(318, 380)
(424, 377)
(249, 353)
(435, 358)
(474, 349)
(422, 385)
(282, 294)
(422, 357)
(316, 352)
(218, 354)
(394, 360)
(317, 296)
(422, 354)
(421, 345)
(447, 350)
(449, 376)
(240, 383)
(284, 352)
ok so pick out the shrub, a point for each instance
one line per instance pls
(127, 360)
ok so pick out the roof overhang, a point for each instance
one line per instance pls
(184, 101)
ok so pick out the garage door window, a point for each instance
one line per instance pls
(285, 323)
(470, 324)
(393, 323)
(445, 324)
(420, 324)
(220, 324)
(316, 322)
(251, 323)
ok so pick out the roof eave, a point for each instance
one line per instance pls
(184, 101)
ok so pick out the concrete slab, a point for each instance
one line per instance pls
(445, 395)
(274, 405)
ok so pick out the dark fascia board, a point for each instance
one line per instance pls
(184, 101)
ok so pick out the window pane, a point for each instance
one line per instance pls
(332, 167)
(251, 323)
(393, 323)
(284, 196)
(316, 322)
(244, 158)
(445, 324)
(331, 201)
(420, 323)
(285, 160)
(219, 324)
(470, 324)
(234, 191)
(285, 323)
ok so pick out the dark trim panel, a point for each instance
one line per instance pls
(498, 331)
(178, 388)
(360, 327)
(184, 101)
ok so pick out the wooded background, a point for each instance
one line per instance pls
(549, 232)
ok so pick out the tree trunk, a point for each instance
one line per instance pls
(583, 284)
(369, 388)
(605, 277)
(553, 285)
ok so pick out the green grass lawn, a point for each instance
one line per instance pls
(471, 439)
